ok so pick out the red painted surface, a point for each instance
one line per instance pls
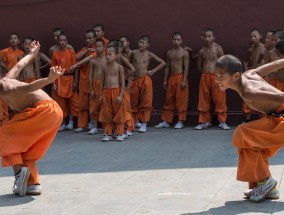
(232, 21)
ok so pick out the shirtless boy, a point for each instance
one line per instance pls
(209, 91)
(259, 140)
(141, 88)
(31, 72)
(95, 72)
(256, 52)
(36, 125)
(176, 84)
(112, 112)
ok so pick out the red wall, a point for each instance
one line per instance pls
(232, 21)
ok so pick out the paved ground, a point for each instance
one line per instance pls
(163, 172)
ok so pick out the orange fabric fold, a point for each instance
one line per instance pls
(36, 128)
(10, 56)
(257, 141)
(141, 95)
(112, 114)
(176, 99)
(95, 105)
(210, 95)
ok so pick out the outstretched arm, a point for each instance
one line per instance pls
(85, 60)
(55, 72)
(15, 71)
(270, 67)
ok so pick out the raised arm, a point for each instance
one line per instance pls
(270, 67)
(55, 72)
(15, 71)
(161, 65)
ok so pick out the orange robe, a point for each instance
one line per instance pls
(84, 95)
(176, 99)
(65, 97)
(36, 128)
(209, 92)
(95, 105)
(257, 141)
(112, 114)
(141, 98)
(277, 84)
(10, 58)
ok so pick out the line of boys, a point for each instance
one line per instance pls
(99, 85)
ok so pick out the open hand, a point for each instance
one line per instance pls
(35, 46)
(55, 72)
(150, 72)
(119, 100)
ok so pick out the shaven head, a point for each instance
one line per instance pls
(113, 42)
(145, 38)
(56, 33)
(100, 45)
(125, 41)
(177, 34)
(99, 30)
(280, 48)
(278, 35)
(100, 41)
(27, 44)
(229, 62)
(14, 39)
(112, 47)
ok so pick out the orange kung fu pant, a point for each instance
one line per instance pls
(141, 98)
(176, 99)
(257, 141)
(209, 92)
(4, 113)
(112, 114)
(95, 105)
(84, 103)
(128, 116)
(35, 129)
(67, 104)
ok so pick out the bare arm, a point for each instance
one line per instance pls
(102, 82)
(15, 71)
(161, 65)
(200, 61)
(122, 80)
(167, 72)
(91, 74)
(55, 72)
(185, 65)
(270, 67)
(129, 66)
(220, 51)
(80, 63)
(45, 59)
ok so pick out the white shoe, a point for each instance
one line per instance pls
(32, 190)
(202, 126)
(62, 128)
(273, 194)
(20, 184)
(93, 131)
(107, 138)
(260, 192)
(224, 126)
(78, 130)
(124, 136)
(163, 124)
(120, 138)
(179, 125)
(143, 128)
(129, 133)
(70, 125)
(137, 125)
(91, 126)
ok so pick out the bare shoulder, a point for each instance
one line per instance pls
(185, 53)
(70, 47)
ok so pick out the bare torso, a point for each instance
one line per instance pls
(127, 54)
(17, 100)
(98, 63)
(176, 58)
(255, 55)
(209, 56)
(29, 71)
(140, 61)
(260, 95)
(112, 75)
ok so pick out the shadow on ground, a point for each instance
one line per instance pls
(243, 207)
(157, 149)
(8, 200)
